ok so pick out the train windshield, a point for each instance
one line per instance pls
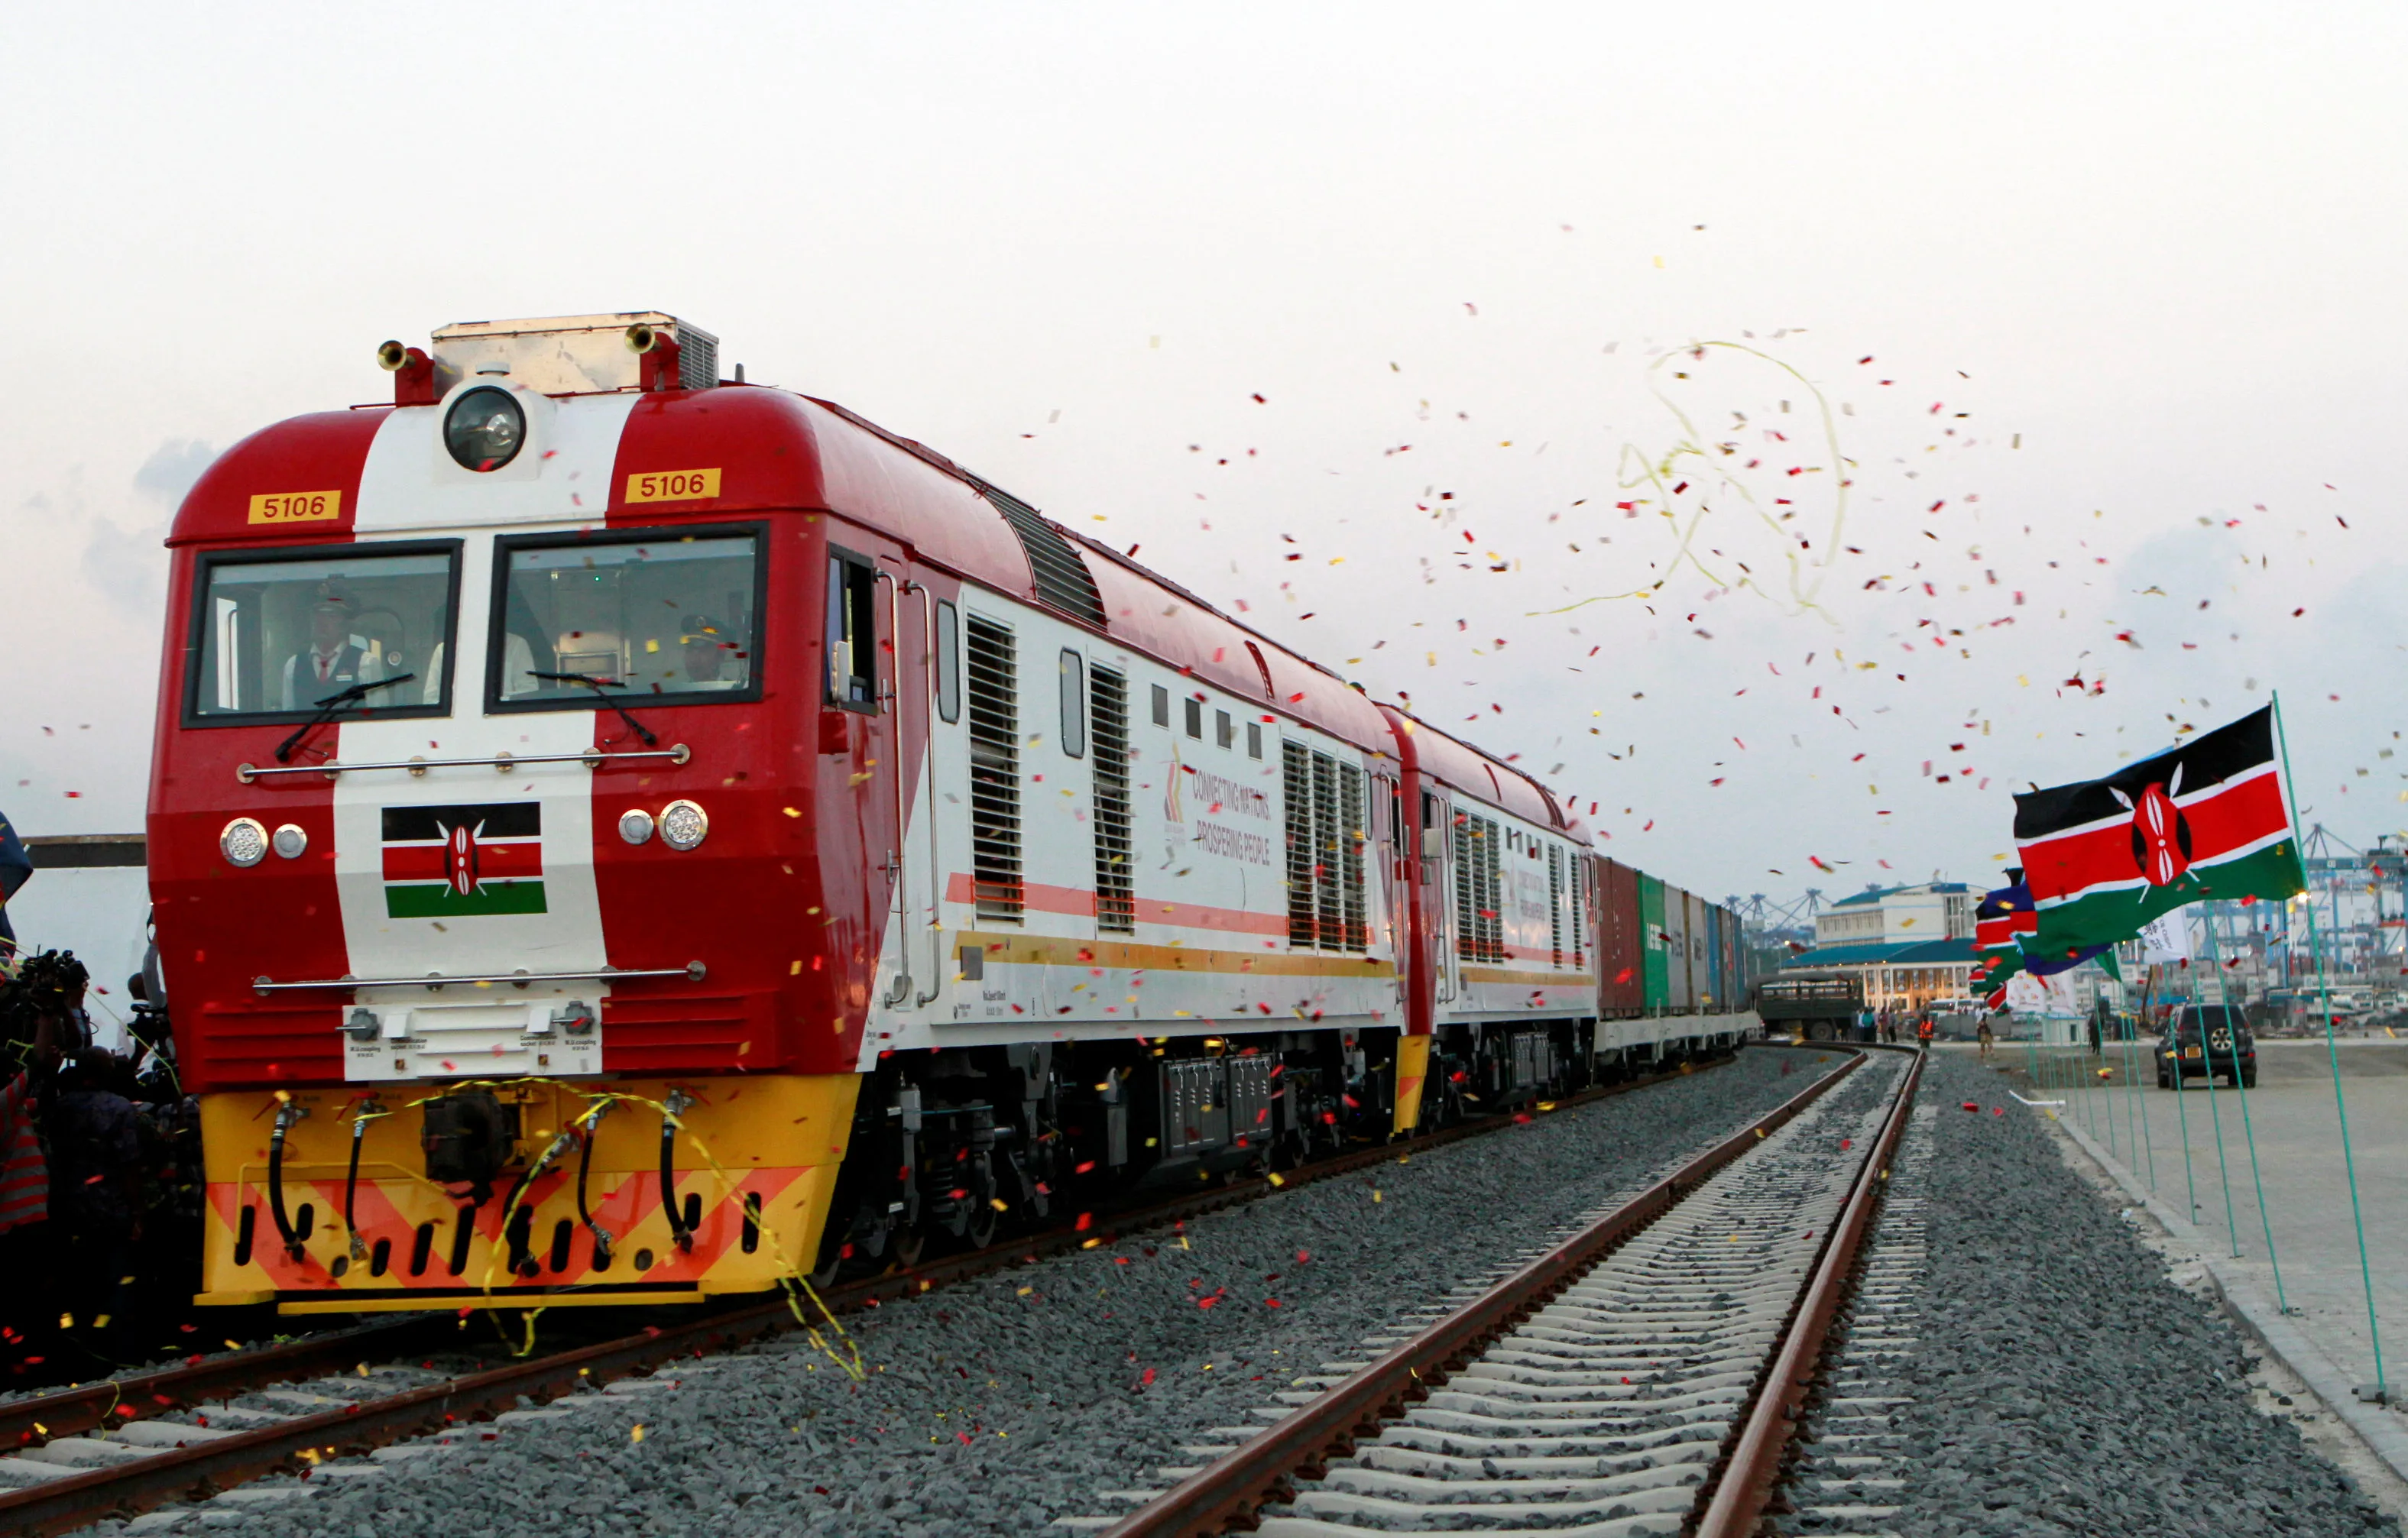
(281, 632)
(661, 615)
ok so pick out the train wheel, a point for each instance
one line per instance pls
(832, 1260)
(984, 1215)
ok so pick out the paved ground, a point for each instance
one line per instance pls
(2291, 1116)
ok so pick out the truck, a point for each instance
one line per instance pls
(1814, 1006)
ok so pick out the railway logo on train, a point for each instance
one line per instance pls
(622, 836)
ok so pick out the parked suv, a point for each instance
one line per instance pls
(2202, 1041)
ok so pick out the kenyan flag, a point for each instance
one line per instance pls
(2211, 819)
(464, 861)
(2001, 922)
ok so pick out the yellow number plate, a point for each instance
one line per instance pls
(673, 486)
(297, 508)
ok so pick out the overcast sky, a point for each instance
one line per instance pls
(2118, 288)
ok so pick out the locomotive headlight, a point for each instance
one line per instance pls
(684, 825)
(635, 825)
(485, 427)
(244, 841)
(291, 840)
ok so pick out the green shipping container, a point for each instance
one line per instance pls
(1654, 971)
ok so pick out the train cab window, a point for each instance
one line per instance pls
(287, 632)
(852, 631)
(1161, 705)
(1194, 717)
(657, 614)
(1225, 731)
(1074, 703)
(1254, 739)
(949, 663)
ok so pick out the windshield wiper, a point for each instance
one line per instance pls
(333, 705)
(598, 685)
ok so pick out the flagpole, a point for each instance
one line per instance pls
(2140, 1021)
(2182, 1101)
(2232, 1027)
(2332, 1052)
(2123, 1050)
(2215, 1113)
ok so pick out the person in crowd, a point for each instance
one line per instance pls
(334, 660)
(16, 869)
(25, 1229)
(711, 654)
(96, 1195)
(1982, 1034)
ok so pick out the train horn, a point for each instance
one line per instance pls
(392, 356)
(641, 337)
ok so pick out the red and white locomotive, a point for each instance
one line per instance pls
(620, 835)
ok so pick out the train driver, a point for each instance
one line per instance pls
(713, 660)
(334, 660)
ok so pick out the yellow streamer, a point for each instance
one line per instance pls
(1638, 471)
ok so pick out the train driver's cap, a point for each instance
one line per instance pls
(700, 630)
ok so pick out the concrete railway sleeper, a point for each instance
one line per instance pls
(1641, 1376)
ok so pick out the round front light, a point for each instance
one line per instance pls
(289, 841)
(684, 825)
(485, 429)
(635, 825)
(244, 841)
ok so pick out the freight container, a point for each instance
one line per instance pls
(1700, 980)
(1734, 960)
(1621, 948)
(1655, 971)
(1680, 992)
(1715, 998)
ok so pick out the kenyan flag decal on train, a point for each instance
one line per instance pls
(2210, 819)
(464, 861)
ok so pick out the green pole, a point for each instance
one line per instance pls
(2182, 1102)
(2124, 1051)
(2332, 1057)
(2098, 1067)
(2215, 1113)
(2147, 1144)
(2232, 1027)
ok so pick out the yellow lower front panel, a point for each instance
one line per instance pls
(754, 1161)
(1412, 1069)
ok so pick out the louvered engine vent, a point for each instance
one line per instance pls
(697, 360)
(1063, 581)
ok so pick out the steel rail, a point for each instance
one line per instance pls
(60, 1506)
(1229, 1490)
(501, 763)
(1752, 1471)
(133, 1396)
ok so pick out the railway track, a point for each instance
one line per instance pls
(1645, 1375)
(122, 1446)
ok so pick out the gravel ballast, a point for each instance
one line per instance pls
(996, 1405)
(2060, 1383)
